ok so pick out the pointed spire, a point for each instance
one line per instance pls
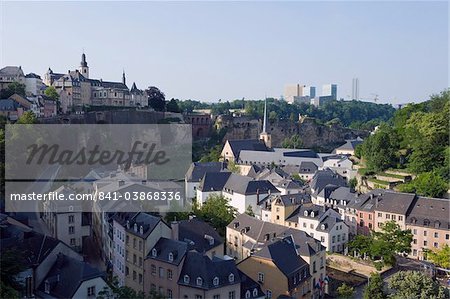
(124, 80)
(83, 60)
(265, 116)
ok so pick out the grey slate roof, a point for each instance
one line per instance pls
(308, 167)
(249, 285)
(66, 275)
(304, 153)
(247, 186)
(366, 202)
(292, 199)
(166, 246)
(284, 255)
(32, 75)
(147, 221)
(259, 230)
(114, 85)
(350, 144)
(255, 229)
(196, 231)
(326, 177)
(395, 202)
(197, 265)
(198, 169)
(246, 144)
(11, 71)
(213, 181)
(433, 212)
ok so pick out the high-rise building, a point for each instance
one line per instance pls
(355, 89)
(299, 93)
(330, 90)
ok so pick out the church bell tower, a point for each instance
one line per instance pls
(84, 69)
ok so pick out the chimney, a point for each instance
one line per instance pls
(257, 196)
(121, 183)
(175, 229)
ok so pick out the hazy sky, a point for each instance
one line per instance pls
(227, 50)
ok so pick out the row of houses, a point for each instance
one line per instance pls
(75, 88)
(15, 105)
(49, 267)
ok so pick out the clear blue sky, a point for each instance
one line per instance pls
(218, 50)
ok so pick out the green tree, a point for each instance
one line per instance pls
(52, 93)
(374, 288)
(217, 211)
(415, 285)
(249, 211)
(10, 267)
(213, 155)
(385, 243)
(380, 149)
(273, 116)
(440, 257)
(352, 183)
(429, 184)
(172, 106)
(156, 98)
(345, 291)
(13, 88)
(233, 167)
(292, 142)
(27, 117)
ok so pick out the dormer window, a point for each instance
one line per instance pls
(186, 278)
(199, 281)
(255, 292)
(426, 222)
(437, 224)
(141, 230)
(231, 277)
(170, 257)
(154, 252)
(247, 294)
(312, 214)
(305, 213)
(47, 287)
(322, 227)
(216, 281)
(135, 227)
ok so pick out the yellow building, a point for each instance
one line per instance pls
(279, 270)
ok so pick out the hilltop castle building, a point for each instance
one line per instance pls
(77, 89)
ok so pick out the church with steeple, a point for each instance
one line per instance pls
(264, 135)
(77, 89)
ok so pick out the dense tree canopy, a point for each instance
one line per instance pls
(52, 93)
(415, 285)
(172, 106)
(156, 98)
(385, 243)
(14, 87)
(417, 139)
(217, 211)
(440, 257)
(292, 142)
(374, 288)
(354, 114)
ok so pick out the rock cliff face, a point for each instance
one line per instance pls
(312, 134)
